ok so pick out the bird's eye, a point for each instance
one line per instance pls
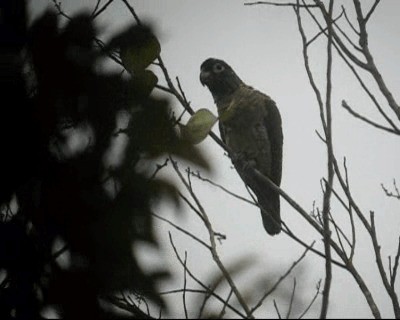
(218, 67)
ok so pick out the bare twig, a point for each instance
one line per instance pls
(281, 4)
(364, 289)
(183, 231)
(132, 11)
(282, 277)
(312, 301)
(372, 123)
(350, 23)
(321, 32)
(391, 194)
(96, 13)
(371, 66)
(390, 290)
(222, 313)
(96, 7)
(291, 299)
(131, 308)
(277, 310)
(211, 232)
(191, 206)
(287, 231)
(184, 287)
(393, 272)
(198, 176)
(346, 60)
(158, 168)
(59, 10)
(371, 11)
(201, 284)
(338, 40)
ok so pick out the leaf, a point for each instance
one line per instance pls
(144, 82)
(198, 126)
(137, 56)
(152, 133)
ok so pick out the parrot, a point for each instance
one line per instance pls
(250, 125)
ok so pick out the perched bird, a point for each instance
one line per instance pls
(251, 126)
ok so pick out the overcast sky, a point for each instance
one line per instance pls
(263, 45)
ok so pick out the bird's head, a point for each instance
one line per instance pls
(219, 77)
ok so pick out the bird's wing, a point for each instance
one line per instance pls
(273, 124)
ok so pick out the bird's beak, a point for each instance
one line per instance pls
(204, 77)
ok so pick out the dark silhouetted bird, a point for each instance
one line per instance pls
(251, 126)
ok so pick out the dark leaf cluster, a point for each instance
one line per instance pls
(48, 196)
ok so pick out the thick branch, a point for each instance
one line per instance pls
(328, 189)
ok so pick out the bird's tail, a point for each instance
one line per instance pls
(270, 212)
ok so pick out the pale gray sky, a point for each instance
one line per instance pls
(263, 46)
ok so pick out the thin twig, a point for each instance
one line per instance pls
(361, 283)
(371, 67)
(100, 11)
(96, 7)
(211, 232)
(395, 267)
(390, 290)
(277, 310)
(132, 11)
(158, 168)
(291, 299)
(390, 193)
(200, 283)
(184, 287)
(198, 176)
(222, 313)
(339, 233)
(338, 40)
(287, 231)
(281, 4)
(350, 23)
(321, 32)
(183, 231)
(370, 122)
(312, 301)
(346, 60)
(350, 211)
(191, 206)
(282, 277)
(131, 308)
(371, 11)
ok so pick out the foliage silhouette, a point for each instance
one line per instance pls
(61, 195)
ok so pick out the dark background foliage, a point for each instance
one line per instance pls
(60, 197)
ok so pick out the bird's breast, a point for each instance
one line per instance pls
(242, 119)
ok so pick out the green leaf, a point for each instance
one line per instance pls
(152, 133)
(198, 126)
(138, 56)
(144, 82)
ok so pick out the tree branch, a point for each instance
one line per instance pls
(284, 276)
(281, 4)
(328, 189)
(366, 120)
(211, 232)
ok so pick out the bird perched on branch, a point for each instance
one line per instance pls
(251, 127)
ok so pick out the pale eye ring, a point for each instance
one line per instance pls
(218, 67)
